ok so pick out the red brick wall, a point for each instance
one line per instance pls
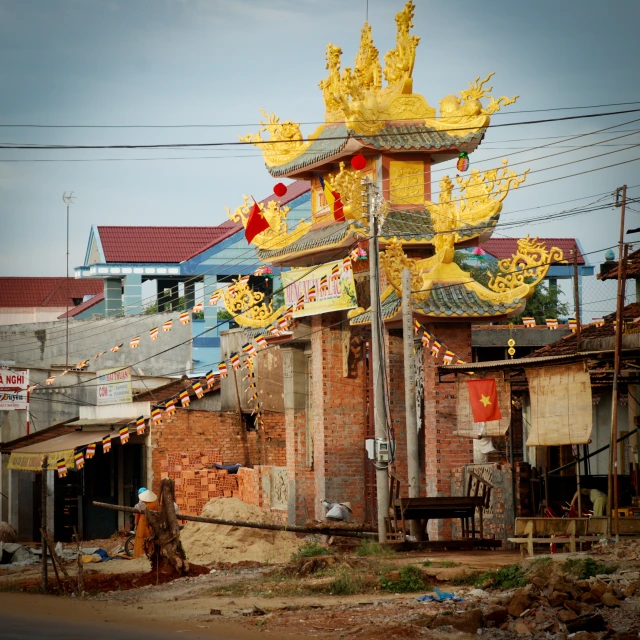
(338, 420)
(444, 451)
(186, 446)
(299, 470)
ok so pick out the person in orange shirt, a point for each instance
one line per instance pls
(148, 500)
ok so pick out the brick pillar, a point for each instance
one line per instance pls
(444, 451)
(338, 419)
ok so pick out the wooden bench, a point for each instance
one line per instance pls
(423, 509)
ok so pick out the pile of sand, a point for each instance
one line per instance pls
(205, 543)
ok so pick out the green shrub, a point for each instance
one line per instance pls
(509, 577)
(372, 548)
(410, 581)
(310, 550)
(346, 583)
(585, 568)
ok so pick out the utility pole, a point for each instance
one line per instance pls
(613, 445)
(413, 458)
(576, 298)
(379, 407)
(67, 199)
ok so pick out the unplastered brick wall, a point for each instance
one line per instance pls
(188, 445)
(498, 519)
(338, 419)
(254, 487)
(444, 450)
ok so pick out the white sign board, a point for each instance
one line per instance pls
(13, 389)
(114, 386)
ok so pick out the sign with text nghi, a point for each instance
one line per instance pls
(114, 386)
(13, 389)
(321, 289)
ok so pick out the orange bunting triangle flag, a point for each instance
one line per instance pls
(91, 451)
(124, 435)
(483, 396)
(106, 444)
(140, 426)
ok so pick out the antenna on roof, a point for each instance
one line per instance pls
(68, 199)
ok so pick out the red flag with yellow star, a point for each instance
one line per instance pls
(484, 400)
(256, 224)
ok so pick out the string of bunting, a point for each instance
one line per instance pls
(184, 318)
(435, 347)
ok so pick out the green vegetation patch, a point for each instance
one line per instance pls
(410, 581)
(372, 548)
(311, 550)
(585, 568)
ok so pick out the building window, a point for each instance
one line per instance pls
(250, 421)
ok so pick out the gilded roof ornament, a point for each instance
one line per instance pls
(278, 234)
(248, 306)
(347, 183)
(285, 140)
(467, 114)
(529, 265)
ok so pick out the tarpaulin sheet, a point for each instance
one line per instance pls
(561, 409)
(29, 458)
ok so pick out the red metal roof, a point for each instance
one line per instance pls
(175, 244)
(83, 306)
(161, 244)
(502, 248)
(45, 292)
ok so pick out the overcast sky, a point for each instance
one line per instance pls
(215, 62)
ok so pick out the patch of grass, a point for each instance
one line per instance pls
(372, 548)
(509, 577)
(443, 564)
(346, 583)
(539, 564)
(310, 550)
(585, 568)
(410, 581)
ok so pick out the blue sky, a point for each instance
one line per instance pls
(216, 62)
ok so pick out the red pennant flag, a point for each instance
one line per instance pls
(256, 224)
(483, 396)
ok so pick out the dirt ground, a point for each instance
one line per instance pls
(248, 599)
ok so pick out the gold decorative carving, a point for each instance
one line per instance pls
(347, 183)
(528, 266)
(285, 140)
(467, 114)
(248, 306)
(406, 181)
(398, 67)
(277, 235)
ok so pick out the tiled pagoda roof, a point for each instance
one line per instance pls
(333, 140)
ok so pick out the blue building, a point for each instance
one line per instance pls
(183, 262)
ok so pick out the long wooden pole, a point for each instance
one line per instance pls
(329, 531)
(613, 466)
(576, 298)
(413, 446)
(43, 523)
(243, 431)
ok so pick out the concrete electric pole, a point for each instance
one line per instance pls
(67, 198)
(379, 406)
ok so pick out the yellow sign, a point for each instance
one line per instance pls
(33, 461)
(321, 289)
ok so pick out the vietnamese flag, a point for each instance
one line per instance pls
(483, 396)
(256, 224)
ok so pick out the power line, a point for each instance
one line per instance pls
(258, 124)
(179, 145)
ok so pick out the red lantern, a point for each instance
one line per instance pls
(279, 189)
(358, 162)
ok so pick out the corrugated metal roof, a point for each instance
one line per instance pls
(509, 364)
(45, 292)
(502, 248)
(161, 244)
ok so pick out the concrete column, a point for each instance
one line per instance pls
(132, 298)
(210, 312)
(12, 493)
(51, 502)
(167, 295)
(295, 398)
(113, 296)
(190, 295)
